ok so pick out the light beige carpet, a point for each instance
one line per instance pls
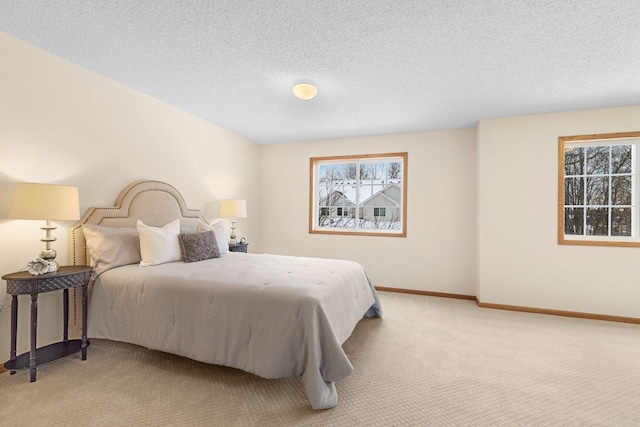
(429, 362)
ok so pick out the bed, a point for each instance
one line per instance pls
(274, 316)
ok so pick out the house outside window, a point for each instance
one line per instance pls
(598, 189)
(364, 195)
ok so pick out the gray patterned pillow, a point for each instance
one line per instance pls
(198, 246)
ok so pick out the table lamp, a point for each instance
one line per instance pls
(45, 202)
(233, 209)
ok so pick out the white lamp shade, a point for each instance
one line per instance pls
(233, 209)
(45, 202)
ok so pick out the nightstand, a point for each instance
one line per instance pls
(239, 247)
(23, 283)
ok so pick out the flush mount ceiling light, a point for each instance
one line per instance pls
(304, 91)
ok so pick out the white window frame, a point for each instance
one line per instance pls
(314, 203)
(599, 140)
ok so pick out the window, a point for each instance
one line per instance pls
(379, 212)
(597, 190)
(363, 195)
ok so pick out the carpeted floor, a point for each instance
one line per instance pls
(428, 362)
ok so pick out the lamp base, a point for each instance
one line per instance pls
(49, 255)
(232, 238)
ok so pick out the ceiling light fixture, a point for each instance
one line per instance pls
(304, 91)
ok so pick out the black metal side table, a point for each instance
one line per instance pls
(238, 247)
(23, 283)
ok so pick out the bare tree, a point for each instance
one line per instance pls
(378, 170)
(365, 171)
(350, 171)
(394, 170)
(596, 178)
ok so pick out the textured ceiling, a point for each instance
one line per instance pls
(380, 66)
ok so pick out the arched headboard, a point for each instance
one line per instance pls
(153, 202)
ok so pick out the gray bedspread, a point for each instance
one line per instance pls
(274, 316)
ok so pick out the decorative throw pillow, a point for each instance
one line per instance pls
(111, 247)
(198, 246)
(221, 235)
(159, 245)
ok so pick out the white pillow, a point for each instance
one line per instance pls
(111, 247)
(221, 235)
(159, 245)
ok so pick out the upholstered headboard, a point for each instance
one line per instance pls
(155, 203)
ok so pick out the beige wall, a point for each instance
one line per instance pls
(60, 123)
(439, 251)
(519, 260)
